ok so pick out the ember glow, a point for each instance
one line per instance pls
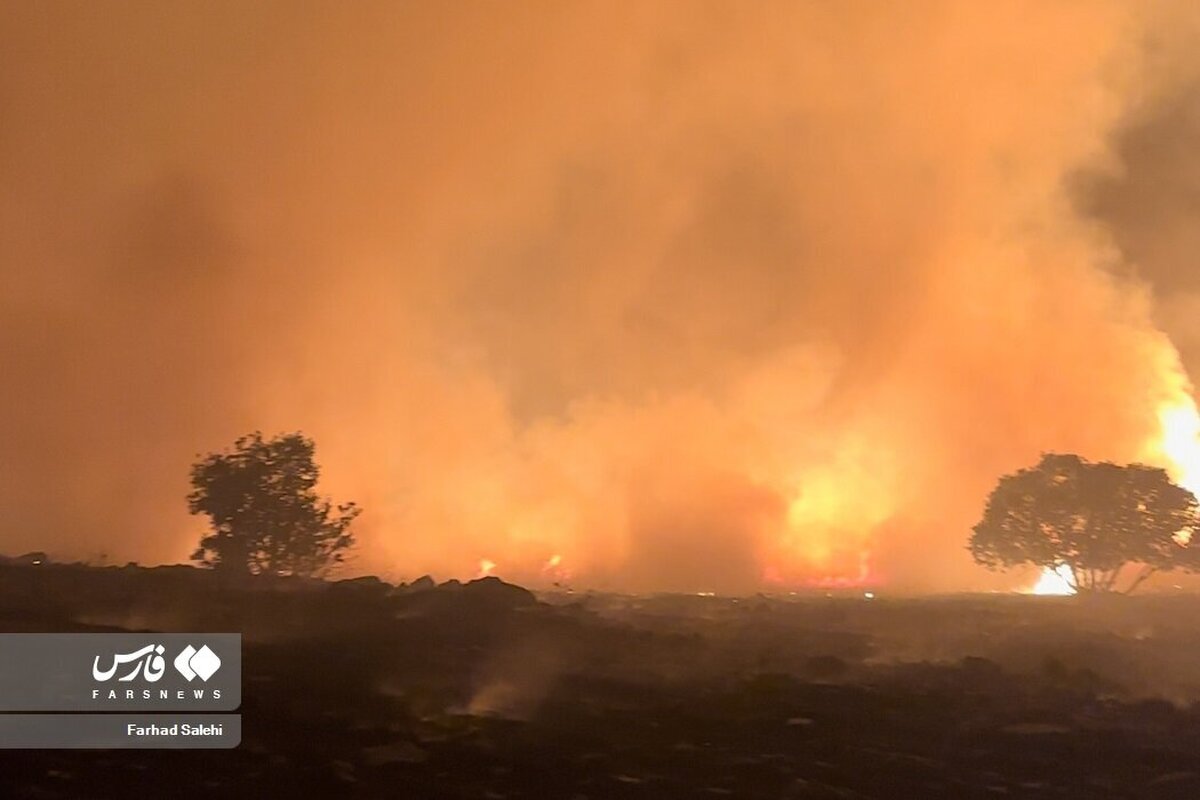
(771, 302)
(1054, 582)
(555, 571)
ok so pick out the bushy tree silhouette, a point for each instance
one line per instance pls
(266, 517)
(1093, 518)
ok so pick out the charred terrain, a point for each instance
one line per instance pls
(359, 688)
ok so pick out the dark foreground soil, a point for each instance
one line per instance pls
(361, 689)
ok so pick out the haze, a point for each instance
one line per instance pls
(684, 296)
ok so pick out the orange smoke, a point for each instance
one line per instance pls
(654, 297)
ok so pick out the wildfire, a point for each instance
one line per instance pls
(1055, 581)
(827, 539)
(859, 578)
(1179, 444)
(847, 579)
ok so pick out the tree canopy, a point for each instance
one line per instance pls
(265, 513)
(1093, 518)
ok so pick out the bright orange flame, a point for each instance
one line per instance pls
(830, 520)
(1055, 581)
(833, 580)
(1179, 445)
(1180, 441)
(859, 578)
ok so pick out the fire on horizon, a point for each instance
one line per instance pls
(676, 296)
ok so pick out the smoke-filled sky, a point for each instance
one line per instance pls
(703, 296)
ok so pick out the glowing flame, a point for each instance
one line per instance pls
(847, 579)
(827, 538)
(1055, 581)
(1179, 445)
(554, 570)
(859, 578)
(1180, 441)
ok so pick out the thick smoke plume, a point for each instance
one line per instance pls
(694, 296)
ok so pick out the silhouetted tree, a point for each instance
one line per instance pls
(1094, 518)
(266, 517)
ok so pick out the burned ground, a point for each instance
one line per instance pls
(482, 690)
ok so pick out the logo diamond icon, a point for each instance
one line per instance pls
(192, 663)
